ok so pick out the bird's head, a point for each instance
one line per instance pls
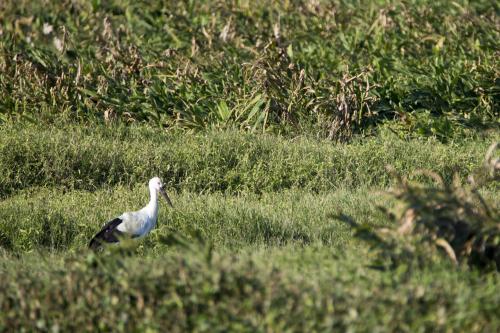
(156, 184)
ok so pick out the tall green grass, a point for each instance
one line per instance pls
(57, 220)
(327, 67)
(95, 157)
(235, 104)
(268, 253)
(267, 290)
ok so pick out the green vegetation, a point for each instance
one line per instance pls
(90, 158)
(275, 289)
(454, 218)
(271, 123)
(252, 255)
(326, 67)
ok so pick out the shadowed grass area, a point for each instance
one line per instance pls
(91, 158)
(276, 289)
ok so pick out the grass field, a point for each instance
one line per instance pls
(272, 125)
(254, 242)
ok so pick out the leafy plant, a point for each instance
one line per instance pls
(453, 218)
(326, 69)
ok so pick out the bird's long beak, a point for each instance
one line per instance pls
(165, 196)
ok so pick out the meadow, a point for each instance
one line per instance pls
(272, 125)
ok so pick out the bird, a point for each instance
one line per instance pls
(132, 224)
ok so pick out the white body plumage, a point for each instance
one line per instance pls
(133, 224)
(141, 222)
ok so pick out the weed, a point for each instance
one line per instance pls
(451, 217)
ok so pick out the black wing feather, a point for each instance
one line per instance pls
(108, 234)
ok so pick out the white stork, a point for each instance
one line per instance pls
(132, 224)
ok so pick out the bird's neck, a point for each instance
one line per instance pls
(152, 206)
